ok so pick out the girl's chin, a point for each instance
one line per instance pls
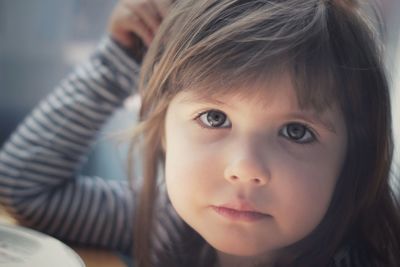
(239, 258)
(239, 250)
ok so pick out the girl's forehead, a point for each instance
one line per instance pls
(306, 90)
(260, 90)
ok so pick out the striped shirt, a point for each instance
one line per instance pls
(40, 180)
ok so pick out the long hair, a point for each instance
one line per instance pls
(331, 52)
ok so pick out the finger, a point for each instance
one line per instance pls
(138, 27)
(116, 26)
(162, 6)
(122, 38)
(149, 15)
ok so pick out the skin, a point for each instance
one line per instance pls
(135, 20)
(250, 158)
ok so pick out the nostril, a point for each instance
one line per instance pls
(257, 181)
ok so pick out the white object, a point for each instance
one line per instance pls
(23, 247)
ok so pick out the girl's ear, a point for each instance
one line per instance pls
(163, 139)
(163, 143)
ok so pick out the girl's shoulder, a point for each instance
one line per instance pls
(344, 257)
(352, 255)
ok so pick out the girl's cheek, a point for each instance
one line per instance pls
(203, 136)
(309, 152)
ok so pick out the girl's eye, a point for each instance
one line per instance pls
(214, 119)
(298, 133)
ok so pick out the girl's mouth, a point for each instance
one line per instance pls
(240, 215)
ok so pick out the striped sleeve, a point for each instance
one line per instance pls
(40, 183)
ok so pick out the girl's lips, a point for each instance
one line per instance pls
(240, 215)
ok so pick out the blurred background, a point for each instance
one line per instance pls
(41, 41)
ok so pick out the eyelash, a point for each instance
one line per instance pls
(308, 129)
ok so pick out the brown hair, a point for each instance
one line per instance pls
(331, 52)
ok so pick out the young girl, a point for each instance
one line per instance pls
(270, 120)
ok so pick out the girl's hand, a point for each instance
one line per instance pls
(134, 22)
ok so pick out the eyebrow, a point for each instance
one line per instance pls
(204, 98)
(310, 117)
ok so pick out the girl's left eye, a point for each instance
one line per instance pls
(298, 133)
(214, 119)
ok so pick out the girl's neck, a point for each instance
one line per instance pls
(226, 260)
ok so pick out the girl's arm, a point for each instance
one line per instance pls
(40, 182)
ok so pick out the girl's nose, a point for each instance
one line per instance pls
(247, 167)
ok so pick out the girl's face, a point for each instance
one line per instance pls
(252, 174)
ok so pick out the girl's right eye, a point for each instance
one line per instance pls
(213, 119)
